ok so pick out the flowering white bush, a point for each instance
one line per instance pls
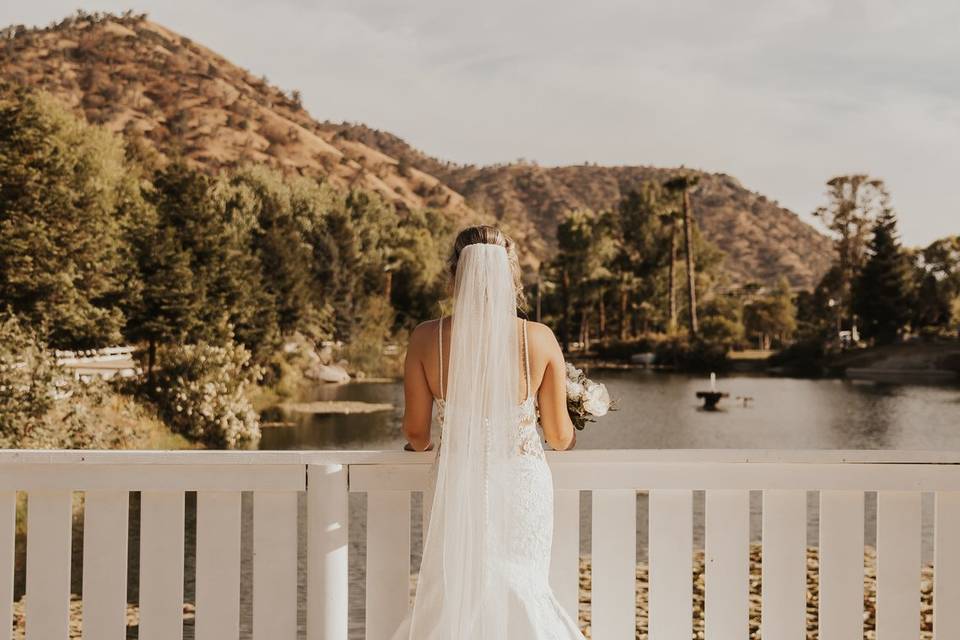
(586, 399)
(200, 393)
(43, 407)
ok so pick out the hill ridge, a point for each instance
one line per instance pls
(176, 97)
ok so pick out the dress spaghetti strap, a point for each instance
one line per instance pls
(526, 360)
(440, 352)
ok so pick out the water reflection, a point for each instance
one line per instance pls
(659, 411)
(354, 431)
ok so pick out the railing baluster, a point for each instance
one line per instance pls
(946, 566)
(327, 574)
(274, 565)
(49, 527)
(727, 565)
(388, 562)
(614, 563)
(784, 565)
(565, 555)
(840, 477)
(898, 565)
(841, 565)
(218, 565)
(105, 564)
(8, 518)
(425, 512)
(161, 565)
(671, 564)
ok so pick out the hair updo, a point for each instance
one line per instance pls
(485, 234)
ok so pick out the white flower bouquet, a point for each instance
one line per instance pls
(586, 399)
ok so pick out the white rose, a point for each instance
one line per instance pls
(574, 389)
(572, 372)
(596, 399)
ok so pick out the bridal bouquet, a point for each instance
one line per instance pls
(586, 399)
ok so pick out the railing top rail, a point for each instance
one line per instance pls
(395, 457)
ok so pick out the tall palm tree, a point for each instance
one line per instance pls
(681, 185)
(669, 220)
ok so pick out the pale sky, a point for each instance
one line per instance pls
(782, 95)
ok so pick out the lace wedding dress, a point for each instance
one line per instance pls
(486, 560)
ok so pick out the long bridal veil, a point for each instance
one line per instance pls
(468, 526)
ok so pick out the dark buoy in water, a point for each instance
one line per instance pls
(712, 397)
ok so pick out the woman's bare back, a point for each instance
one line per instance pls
(422, 379)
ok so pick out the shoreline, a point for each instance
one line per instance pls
(335, 407)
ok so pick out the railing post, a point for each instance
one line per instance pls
(327, 574)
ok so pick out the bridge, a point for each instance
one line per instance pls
(301, 498)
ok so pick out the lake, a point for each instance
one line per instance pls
(658, 410)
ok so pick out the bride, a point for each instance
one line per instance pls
(484, 574)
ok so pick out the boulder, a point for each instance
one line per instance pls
(646, 359)
(327, 373)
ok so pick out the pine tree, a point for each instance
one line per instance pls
(226, 280)
(66, 195)
(881, 291)
(170, 303)
(854, 201)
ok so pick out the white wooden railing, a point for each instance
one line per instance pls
(668, 478)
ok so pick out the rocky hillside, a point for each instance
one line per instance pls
(762, 240)
(141, 79)
(175, 96)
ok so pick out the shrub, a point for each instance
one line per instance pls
(43, 407)
(692, 355)
(200, 393)
(275, 132)
(805, 357)
(622, 349)
(28, 374)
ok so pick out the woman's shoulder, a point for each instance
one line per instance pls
(423, 333)
(538, 329)
(541, 336)
(426, 326)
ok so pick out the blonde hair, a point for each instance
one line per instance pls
(486, 234)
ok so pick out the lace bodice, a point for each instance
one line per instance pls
(529, 442)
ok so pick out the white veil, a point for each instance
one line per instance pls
(468, 525)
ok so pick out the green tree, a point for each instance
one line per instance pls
(67, 198)
(271, 226)
(771, 317)
(881, 294)
(938, 285)
(202, 280)
(586, 248)
(170, 302)
(644, 218)
(357, 246)
(855, 201)
(418, 273)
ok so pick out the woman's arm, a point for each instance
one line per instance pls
(418, 401)
(552, 396)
